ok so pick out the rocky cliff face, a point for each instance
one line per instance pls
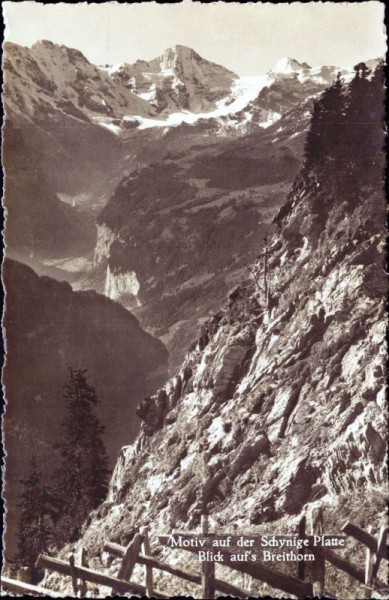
(280, 403)
(119, 285)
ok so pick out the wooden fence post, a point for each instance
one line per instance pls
(22, 588)
(148, 570)
(227, 588)
(83, 563)
(72, 563)
(82, 587)
(318, 574)
(369, 564)
(381, 550)
(207, 567)
(301, 535)
(24, 574)
(129, 560)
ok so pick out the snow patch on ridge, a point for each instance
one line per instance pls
(243, 91)
(273, 117)
(107, 124)
(111, 70)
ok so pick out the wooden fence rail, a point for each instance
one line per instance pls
(20, 587)
(154, 563)
(62, 567)
(376, 551)
(278, 580)
(362, 536)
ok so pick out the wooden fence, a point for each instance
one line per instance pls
(138, 551)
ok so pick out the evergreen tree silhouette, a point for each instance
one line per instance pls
(357, 126)
(346, 137)
(313, 142)
(81, 480)
(38, 513)
(323, 143)
(375, 134)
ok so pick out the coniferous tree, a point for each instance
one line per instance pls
(346, 137)
(375, 136)
(312, 148)
(357, 122)
(334, 119)
(38, 512)
(323, 143)
(81, 480)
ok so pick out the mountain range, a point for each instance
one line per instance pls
(126, 161)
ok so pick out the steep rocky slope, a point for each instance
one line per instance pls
(281, 402)
(49, 328)
(51, 76)
(213, 177)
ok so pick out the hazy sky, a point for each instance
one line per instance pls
(246, 38)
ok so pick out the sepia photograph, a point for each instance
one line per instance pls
(195, 283)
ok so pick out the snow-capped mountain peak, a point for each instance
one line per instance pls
(289, 69)
(288, 66)
(178, 56)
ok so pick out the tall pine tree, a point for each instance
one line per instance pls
(38, 513)
(345, 142)
(81, 480)
(375, 118)
(358, 123)
(323, 143)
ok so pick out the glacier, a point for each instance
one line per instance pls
(243, 91)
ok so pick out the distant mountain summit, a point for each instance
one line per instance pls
(288, 65)
(178, 79)
(290, 84)
(289, 68)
